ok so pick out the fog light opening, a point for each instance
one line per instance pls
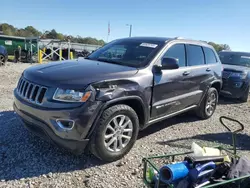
(238, 84)
(65, 124)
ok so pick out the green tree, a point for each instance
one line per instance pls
(31, 31)
(23, 33)
(90, 40)
(220, 47)
(60, 36)
(101, 42)
(8, 29)
(226, 47)
(52, 34)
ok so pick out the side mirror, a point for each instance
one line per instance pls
(169, 63)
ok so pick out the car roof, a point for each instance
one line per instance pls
(167, 39)
(156, 39)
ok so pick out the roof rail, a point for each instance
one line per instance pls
(179, 38)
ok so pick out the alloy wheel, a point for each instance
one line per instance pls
(118, 133)
(211, 104)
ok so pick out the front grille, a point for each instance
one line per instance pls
(226, 74)
(30, 91)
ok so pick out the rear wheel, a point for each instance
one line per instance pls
(208, 104)
(2, 60)
(244, 98)
(116, 133)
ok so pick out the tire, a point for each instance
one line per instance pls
(244, 98)
(99, 145)
(203, 112)
(2, 60)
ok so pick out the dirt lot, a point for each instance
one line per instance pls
(28, 161)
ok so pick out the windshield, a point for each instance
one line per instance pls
(127, 52)
(235, 59)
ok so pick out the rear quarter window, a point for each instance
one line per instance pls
(210, 56)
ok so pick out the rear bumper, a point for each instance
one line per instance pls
(234, 88)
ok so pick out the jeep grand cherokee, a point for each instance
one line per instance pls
(104, 100)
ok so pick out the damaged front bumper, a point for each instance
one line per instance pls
(45, 122)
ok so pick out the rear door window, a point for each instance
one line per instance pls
(209, 56)
(195, 55)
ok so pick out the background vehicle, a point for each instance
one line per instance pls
(3, 55)
(121, 88)
(83, 53)
(11, 43)
(236, 74)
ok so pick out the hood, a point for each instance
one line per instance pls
(235, 68)
(76, 74)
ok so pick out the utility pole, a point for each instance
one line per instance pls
(130, 29)
(108, 32)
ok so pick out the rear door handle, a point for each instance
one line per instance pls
(186, 73)
(208, 69)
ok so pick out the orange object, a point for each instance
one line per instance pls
(86, 96)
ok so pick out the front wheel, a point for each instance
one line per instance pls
(208, 104)
(116, 133)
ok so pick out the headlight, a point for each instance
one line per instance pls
(69, 95)
(242, 75)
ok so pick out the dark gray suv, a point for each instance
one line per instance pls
(236, 74)
(103, 100)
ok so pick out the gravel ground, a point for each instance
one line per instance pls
(28, 161)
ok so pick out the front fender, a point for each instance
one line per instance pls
(118, 101)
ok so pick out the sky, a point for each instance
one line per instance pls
(220, 21)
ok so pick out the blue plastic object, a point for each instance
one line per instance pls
(174, 172)
(202, 172)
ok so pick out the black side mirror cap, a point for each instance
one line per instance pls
(169, 63)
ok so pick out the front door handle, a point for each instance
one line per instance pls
(186, 73)
(208, 69)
